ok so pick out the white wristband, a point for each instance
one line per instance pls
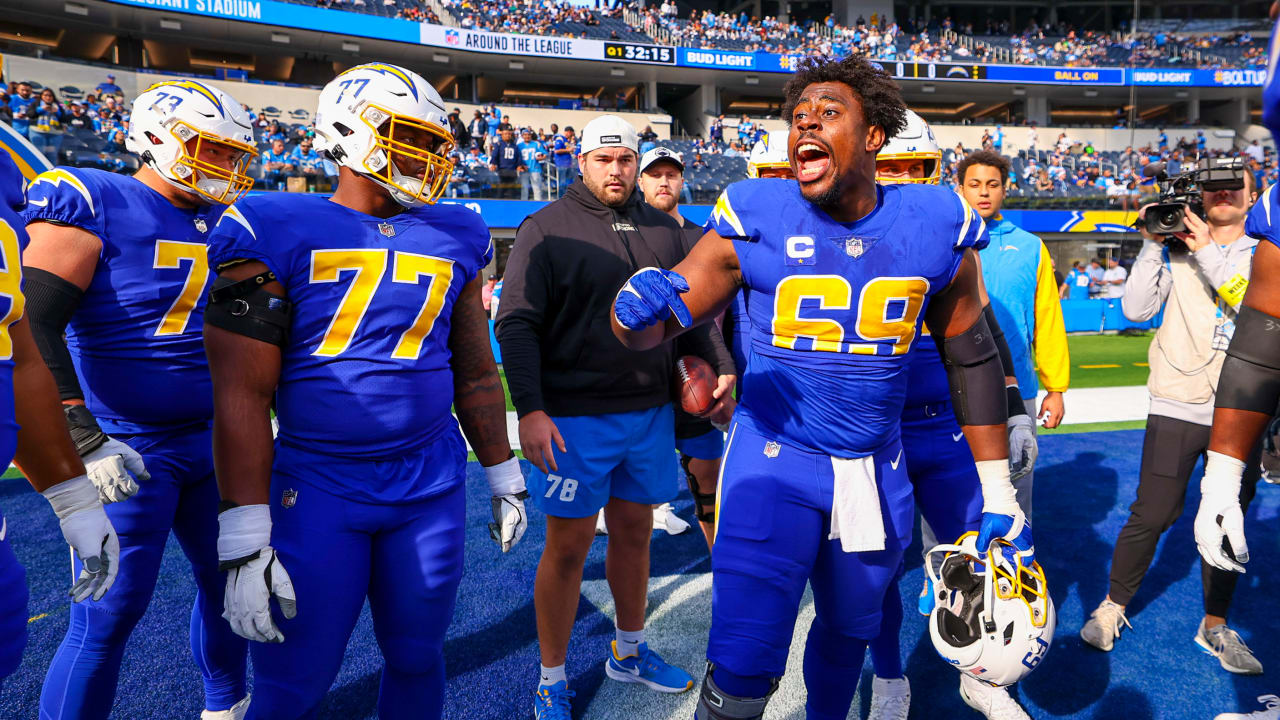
(505, 478)
(1221, 475)
(70, 496)
(243, 531)
(998, 495)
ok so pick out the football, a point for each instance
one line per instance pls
(697, 383)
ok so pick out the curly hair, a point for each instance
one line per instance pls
(990, 158)
(880, 96)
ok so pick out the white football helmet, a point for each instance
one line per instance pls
(915, 142)
(993, 621)
(376, 114)
(185, 130)
(770, 157)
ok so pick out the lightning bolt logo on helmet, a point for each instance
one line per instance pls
(388, 124)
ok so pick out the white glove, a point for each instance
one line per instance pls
(88, 531)
(1023, 448)
(1220, 517)
(254, 574)
(109, 469)
(506, 484)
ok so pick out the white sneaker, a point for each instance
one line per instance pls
(665, 518)
(600, 528)
(994, 703)
(235, 712)
(1103, 626)
(890, 699)
(1270, 712)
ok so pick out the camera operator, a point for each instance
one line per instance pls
(1198, 276)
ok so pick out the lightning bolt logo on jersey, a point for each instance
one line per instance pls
(135, 338)
(835, 307)
(366, 373)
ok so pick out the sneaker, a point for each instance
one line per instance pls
(665, 518)
(926, 601)
(994, 703)
(600, 527)
(1270, 712)
(890, 699)
(551, 702)
(648, 669)
(1104, 626)
(1225, 644)
(235, 712)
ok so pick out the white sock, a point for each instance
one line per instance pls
(628, 642)
(553, 675)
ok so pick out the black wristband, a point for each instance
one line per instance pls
(226, 565)
(85, 432)
(1016, 405)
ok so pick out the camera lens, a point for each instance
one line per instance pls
(1168, 220)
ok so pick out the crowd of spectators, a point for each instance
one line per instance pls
(532, 17)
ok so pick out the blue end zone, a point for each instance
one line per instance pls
(1085, 483)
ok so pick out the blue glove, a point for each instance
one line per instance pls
(650, 296)
(1012, 528)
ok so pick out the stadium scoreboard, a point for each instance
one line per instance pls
(631, 52)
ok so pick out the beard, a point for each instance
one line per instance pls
(663, 202)
(603, 194)
(824, 199)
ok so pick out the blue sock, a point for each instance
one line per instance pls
(832, 668)
(742, 686)
(886, 650)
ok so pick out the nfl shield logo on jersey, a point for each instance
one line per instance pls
(201, 226)
(771, 449)
(853, 247)
(289, 498)
(387, 229)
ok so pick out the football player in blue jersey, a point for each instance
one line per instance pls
(1249, 389)
(939, 464)
(840, 273)
(119, 264)
(33, 434)
(361, 316)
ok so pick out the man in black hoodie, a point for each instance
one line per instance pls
(595, 418)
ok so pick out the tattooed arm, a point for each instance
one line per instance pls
(482, 412)
(477, 389)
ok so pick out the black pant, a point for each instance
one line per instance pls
(508, 184)
(1170, 450)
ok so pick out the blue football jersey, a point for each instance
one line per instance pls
(136, 337)
(13, 238)
(1263, 221)
(1271, 90)
(366, 372)
(836, 307)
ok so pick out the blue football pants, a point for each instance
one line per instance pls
(406, 558)
(771, 540)
(949, 495)
(13, 608)
(183, 496)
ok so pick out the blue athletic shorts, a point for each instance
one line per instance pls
(773, 518)
(947, 489)
(621, 455)
(707, 446)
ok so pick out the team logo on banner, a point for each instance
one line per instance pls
(452, 37)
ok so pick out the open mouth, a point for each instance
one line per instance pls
(812, 161)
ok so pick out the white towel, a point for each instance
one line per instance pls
(855, 506)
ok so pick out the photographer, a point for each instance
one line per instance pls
(1198, 275)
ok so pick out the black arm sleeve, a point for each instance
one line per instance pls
(975, 376)
(1012, 394)
(51, 301)
(521, 307)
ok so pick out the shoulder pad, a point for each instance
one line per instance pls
(740, 209)
(1263, 221)
(67, 196)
